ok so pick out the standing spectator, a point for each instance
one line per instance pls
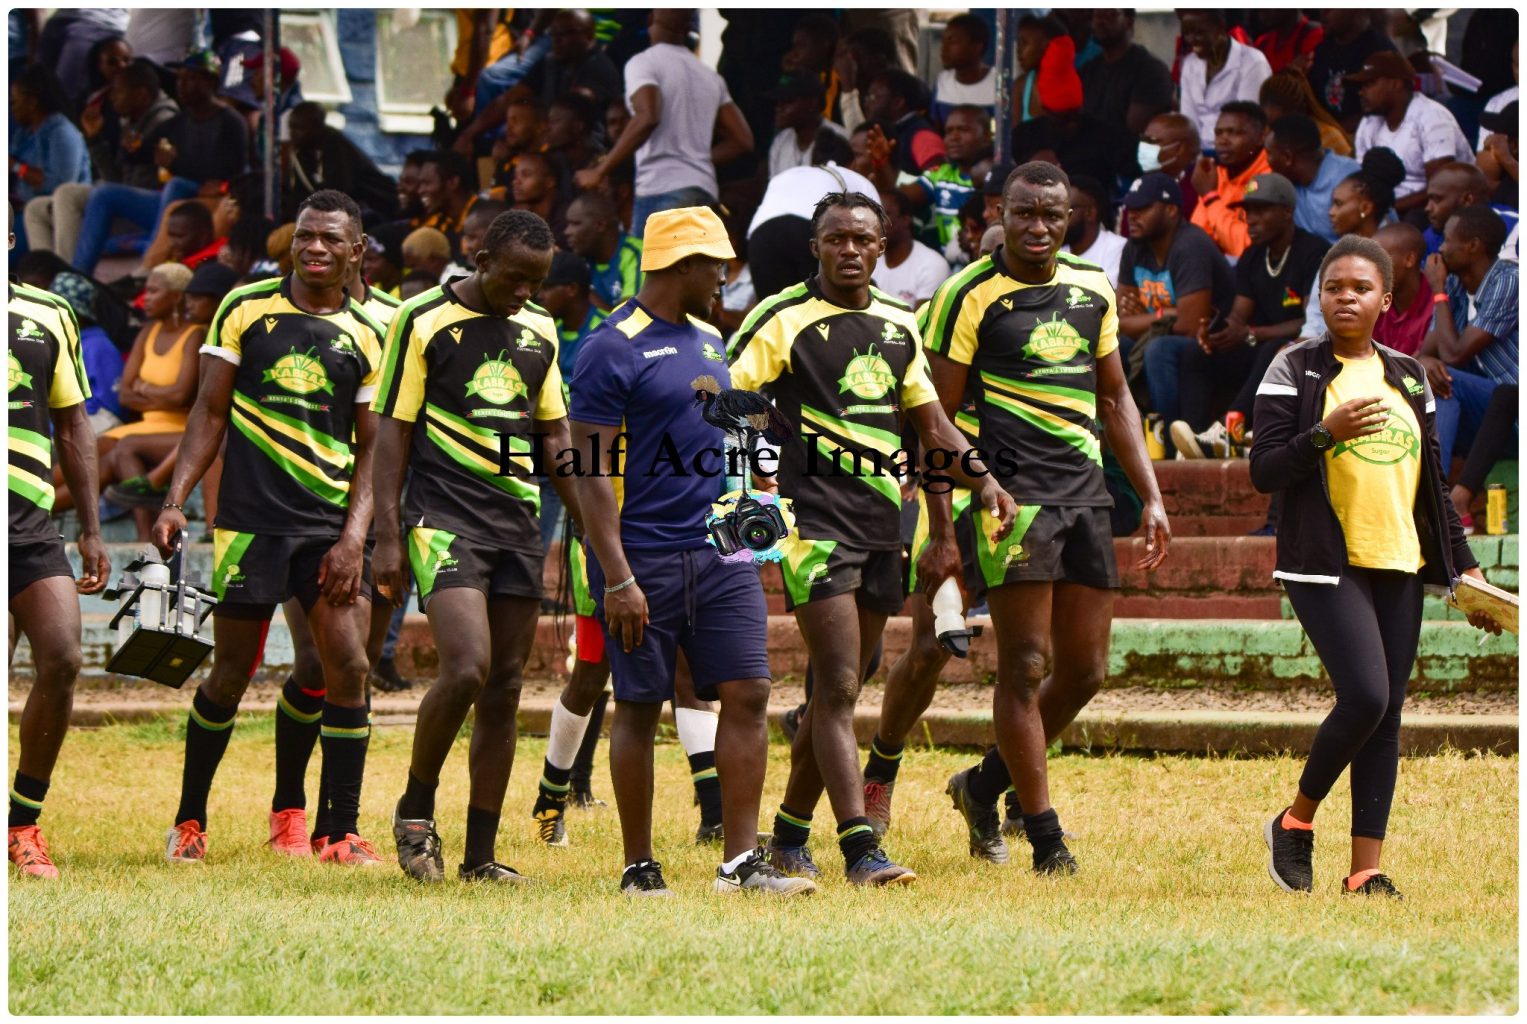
(1218, 71)
(46, 149)
(779, 236)
(1171, 144)
(813, 42)
(1350, 39)
(69, 37)
(798, 121)
(1294, 150)
(1289, 39)
(1449, 188)
(614, 257)
(161, 34)
(1125, 85)
(1238, 158)
(1287, 93)
(909, 271)
(1271, 293)
(678, 105)
(1086, 234)
(897, 99)
(1404, 324)
(861, 56)
(1495, 440)
(1035, 34)
(1064, 133)
(1418, 129)
(966, 78)
(321, 157)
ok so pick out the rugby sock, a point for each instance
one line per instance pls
(855, 839)
(563, 740)
(1044, 833)
(418, 799)
(791, 828)
(1014, 808)
(345, 734)
(208, 729)
(988, 779)
(697, 734)
(884, 761)
(297, 715)
(482, 835)
(583, 764)
(27, 795)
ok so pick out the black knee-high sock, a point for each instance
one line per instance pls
(27, 795)
(345, 735)
(583, 764)
(855, 839)
(989, 778)
(702, 770)
(297, 715)
(482, 834)
(884, 761)
(208, 729)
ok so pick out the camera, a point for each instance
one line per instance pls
(750, 525)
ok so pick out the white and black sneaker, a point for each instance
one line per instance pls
(644, 878)
(1213, 443)
(757, 874)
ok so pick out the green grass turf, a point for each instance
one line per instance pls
(1173, 911)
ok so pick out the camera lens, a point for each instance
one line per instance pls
(758, 534)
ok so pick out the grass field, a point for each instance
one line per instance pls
(1173, 911)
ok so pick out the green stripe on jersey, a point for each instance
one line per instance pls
(429, 551)
(1078, 437)
(324, 488)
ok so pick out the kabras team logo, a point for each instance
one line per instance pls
(1411, 385)
(497, 381)
(15, 375)
(1395, 443)
(301, 373)
(868, 376)
(1054, 341)
(233, 576)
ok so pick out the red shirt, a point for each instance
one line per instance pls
(1301, 43)
(192, 261)
(1404, 329)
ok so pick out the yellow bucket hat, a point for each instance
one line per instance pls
(688, 231)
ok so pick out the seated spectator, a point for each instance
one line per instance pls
(1288, 38)
(382, 265)
(288, 95)
(991, 193)
(908, 270)
(1496, 439)
(447, 187)
(1035, 34)
(410, 206)
(1124, 85)
(1217, 71)
(577, 65)
(1271, 295)
(1498, 103)
(245, 248)
(779, 235)
(946, 186)
(1170, 144)
(1418, 129)
(565, 295)
(1404, 324)
(472, 233)
(524, 132)
(202, 148)
(97, 118)
(535, 189)
(426, 251)
(1287, 94)
(46, 149)
(1449, 188)
(1238, 158)
(615, 258)
(192, 238)
(499, 84)
(1472, 346)
(972, 226)
(1351, 37)
(897, 99)
(1295, 150)
(1173, 280)
(1064, 133)
(1087, 235)
(813, 42)
(798, 121)
(102, 359)
(321, 157)
(861, 55)
(966, 78)
(209, 285)
(1498, 163)
(69, 38)
(278, 248)
(137, 108)
(570, 137)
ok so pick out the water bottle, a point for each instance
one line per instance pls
(151, 602)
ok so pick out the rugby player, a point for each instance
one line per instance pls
(290, 364)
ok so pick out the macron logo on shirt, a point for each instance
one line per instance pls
(653, 353)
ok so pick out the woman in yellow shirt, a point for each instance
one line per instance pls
(1346, 434)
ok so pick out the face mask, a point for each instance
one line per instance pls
(1149, 156)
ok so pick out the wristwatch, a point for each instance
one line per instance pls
(1251, 338)
(1321, 438)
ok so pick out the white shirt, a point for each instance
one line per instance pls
(1427, 132)
(677, 153)
(949, 91)
(917, 277)
(1240, 79)
(785, 151)
(1496, 104)
(798, 190)
(1104, 251)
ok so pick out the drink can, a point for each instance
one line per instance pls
(1235, 426)
(1155, 447)
(1495, 509)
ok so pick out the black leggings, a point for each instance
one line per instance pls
(1496, 437)
(1366, 630)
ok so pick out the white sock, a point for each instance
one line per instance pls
(697, 730)
(566, 735)
(735, 862)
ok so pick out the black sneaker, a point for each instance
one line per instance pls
(706, 834)
(875, 868)
(135, 492)
(1056, 862)
(1376, 885)
(583, 799)
(793, 860)
(790, 722)
(418, 848)
(644, 878)
(493, 871)
(385, 678)
(985, 834)
(1012, 816)
(1291, 853)
(758, 875)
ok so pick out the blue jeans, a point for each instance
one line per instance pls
(645, 206)
(1459, 416)
(1163, 377)
(144, 207)
(504, 74)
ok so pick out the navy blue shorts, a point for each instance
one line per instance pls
(713, 610)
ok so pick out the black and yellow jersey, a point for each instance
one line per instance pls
(44, 372)
(844, 377)
(1032, 350)
(473, 385)
(289, 461)
(380, 305)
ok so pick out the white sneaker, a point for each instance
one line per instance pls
(1213, 443)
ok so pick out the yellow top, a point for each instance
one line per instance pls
(160, 371)
(1373, 479)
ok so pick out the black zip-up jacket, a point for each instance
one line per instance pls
(1290, 402)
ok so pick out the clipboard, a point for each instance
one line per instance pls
(1472, 595)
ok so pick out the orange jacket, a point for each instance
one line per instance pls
(1214, 214)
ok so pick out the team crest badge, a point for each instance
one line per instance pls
(15, 375)
(868, 376)
(301, 373)
(1054, 341)
(497, 381)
